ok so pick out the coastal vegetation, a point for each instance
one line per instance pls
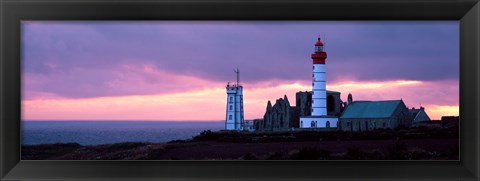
(402, 144)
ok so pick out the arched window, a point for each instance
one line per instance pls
(327, 124)
(231, 99)
(229, 117)
(230, 107)
(330, 103)
(312, 124)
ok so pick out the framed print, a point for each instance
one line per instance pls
(160, 90)
(239, 90)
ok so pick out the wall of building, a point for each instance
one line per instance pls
(334, 104)
(276, 117)
(365, 124)
(421, 116)
(304, 103)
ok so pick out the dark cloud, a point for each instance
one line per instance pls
(211, 50)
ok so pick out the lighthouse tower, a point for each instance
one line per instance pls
(319, 86)
(234, 116)
(319, 118)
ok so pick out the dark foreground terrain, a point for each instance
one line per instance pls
(379, 145)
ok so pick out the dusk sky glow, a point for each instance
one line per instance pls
(177, 70)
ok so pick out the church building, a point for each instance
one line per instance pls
(370, 115)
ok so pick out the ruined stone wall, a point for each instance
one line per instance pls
(280, 116)
(304, 103)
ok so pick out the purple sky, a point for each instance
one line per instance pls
(82, 60)
(262, 50)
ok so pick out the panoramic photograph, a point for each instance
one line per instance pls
(240, 90)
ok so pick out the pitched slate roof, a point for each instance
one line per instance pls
(414, 112)
(371, 109)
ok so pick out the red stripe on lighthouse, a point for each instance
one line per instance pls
(318, 61)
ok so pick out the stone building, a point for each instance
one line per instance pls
(277, 117)
(304, 103)
(369, 115)
(334, 103)
(419, 117)
(450, 121)
(282, 116)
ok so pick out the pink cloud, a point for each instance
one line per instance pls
(145, 92)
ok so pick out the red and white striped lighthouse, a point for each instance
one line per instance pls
(319, 117)
(319, 89)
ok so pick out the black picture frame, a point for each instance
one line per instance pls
(13, 11)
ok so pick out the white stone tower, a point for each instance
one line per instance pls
(234, 117)
(319, 117)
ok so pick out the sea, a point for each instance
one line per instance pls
(107, 132)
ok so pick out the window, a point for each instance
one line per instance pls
(229, 117)
(313, 67)
(312, 124)
(231, 99)
(327, 124)
(301, 124)
(318, 48)
(230, 108)
(313, 75)
(384, 125)
(330, 103)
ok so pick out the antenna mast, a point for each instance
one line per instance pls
(324, 43)
(238, 75)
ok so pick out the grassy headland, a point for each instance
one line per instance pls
(412, 144)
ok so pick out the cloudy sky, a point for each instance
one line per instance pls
(177, 70)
